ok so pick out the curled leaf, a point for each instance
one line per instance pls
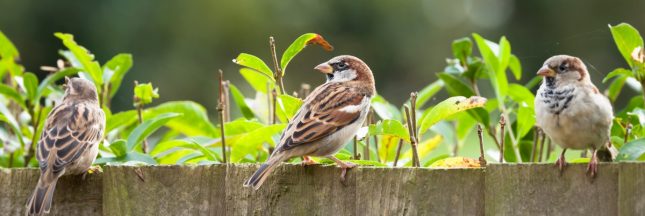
(299, 44)
(447, 108)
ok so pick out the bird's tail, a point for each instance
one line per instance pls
(256, 180)
(40, 201)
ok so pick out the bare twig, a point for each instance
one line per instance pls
(398, 152)
(628, 131)
(542, 138)
(274, 99)
(536, 134)
(482, 159)
(502, 124)
(304, 90)
(227, 101)
(277, 74)
(413, 139)
(549, 148)
(221, 107)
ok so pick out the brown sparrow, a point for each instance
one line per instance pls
(330, 116)
(571, 110)
(69, 142)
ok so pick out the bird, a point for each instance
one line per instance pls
(69, 142)
(571, 110)
(329, 117)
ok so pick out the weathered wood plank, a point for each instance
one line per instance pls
(631, 189)
(164, 190)
(525, 189)
(73, 196)
(420, 191)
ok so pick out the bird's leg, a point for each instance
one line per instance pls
(592, 169)
(342, 165)
(306, 160)
(561, 162)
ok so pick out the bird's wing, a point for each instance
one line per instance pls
(328, 109)
(69, 131)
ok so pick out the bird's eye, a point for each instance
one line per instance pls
(562, 67)
(341, 66)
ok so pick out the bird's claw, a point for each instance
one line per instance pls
(343, 173)
(592, 168)
(308, 161)
(561, 163)
(92, 170)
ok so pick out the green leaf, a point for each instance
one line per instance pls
(144, 93)
(618, 72)
(51, 79)
(14, 127)
(241, 126)
(384, 109)
(299, 44)
(121, 119)
(447, 108)
(252, 141)
(255, 63)
(521, 95)
(7, 49)
(616, 87)
(428, 92)
(11, 93)
(129, 157)
(119, 148)
(516, 67)
(186, 144)
(258, 81)
(30, 82)
(454, 86)
(627, 39)
(193, 122)
(462, 48)
(525, 119)
(287, 107)
(497, 58)
(115, 69)
(148, 127)
(390, 127)
(632, 150)
(238, 98)
(83, 57)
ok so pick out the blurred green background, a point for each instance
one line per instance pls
(179, 45)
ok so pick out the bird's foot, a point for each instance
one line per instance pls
(306, 161)
(345, 166)
(92, 170)
(561, 163)
(592, 168)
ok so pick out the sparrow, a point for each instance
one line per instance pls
(571, 110)
(329, 117)
(69, 142)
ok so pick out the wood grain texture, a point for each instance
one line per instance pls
(73, 196)
(631, 189)
(525, 189)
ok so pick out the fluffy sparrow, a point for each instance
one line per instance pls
(69, 142)
(571, 110)
(330, 116)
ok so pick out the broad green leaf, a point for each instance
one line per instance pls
(428, 92)
(128, 158)
(454, 86)
(145, 93)
(241, 126)
(627, 39)
(515, 66)
(619, 72)
(447, 108)
(30, 83)
(238, 98)
(252, 142)
(384, 109)
(632, 150)
(119, 148)
(255, 63)
(536, 80)
(7, 49)
(186, 144)
(115, 69)
(148, 127)
(616, 87)
(258, 81)
(83, 56)
(287, 107)
(51, 79)
(525, 119)
(391, 128)
(299, 44)
(497, 58)
(121, 119)
(193, 122)
(435, 159)
(12, 94)
(462, 48)
(520, 94)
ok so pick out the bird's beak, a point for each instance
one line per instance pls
(546, 72)
(324, 68)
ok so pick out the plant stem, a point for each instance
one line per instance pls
(398, 152)
(32, 151)
(482, 159)
(413, 140)
(549, 148)
(628, 131)
(278, 72)
(502, 124)
(372, 121)
(536, 134)
(221, 106)
(274, 100)
(355, 148)
(139, 106)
